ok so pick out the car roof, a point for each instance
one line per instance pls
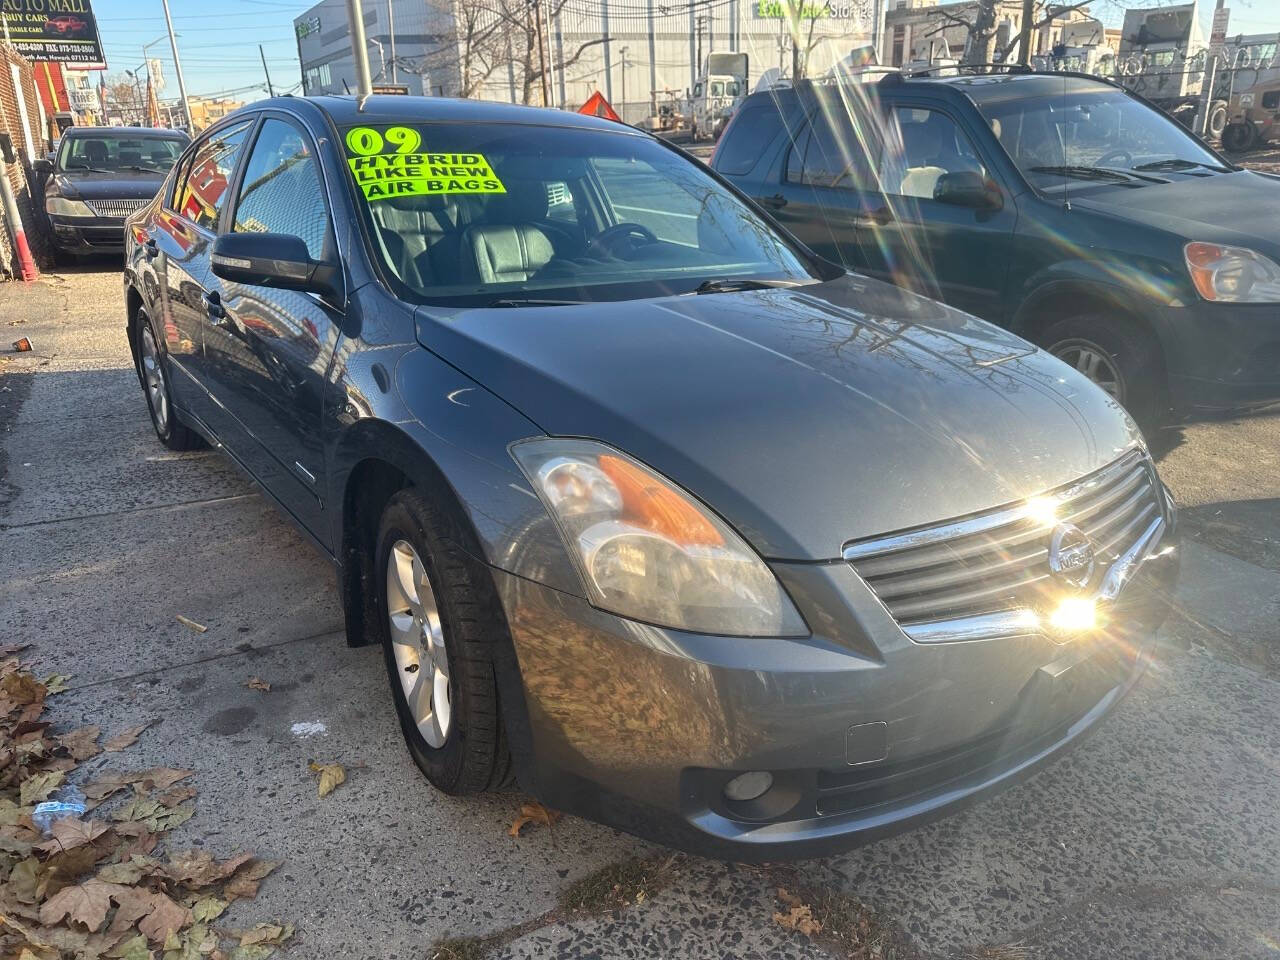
(390, 108)
(981, 88)
(162, 133)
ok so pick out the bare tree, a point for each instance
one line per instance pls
(980, 21)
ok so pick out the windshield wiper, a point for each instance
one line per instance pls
(1178, 163)
(137, 166)
(734, 285)
(1091, 173)
(523, 302)
(88, 169)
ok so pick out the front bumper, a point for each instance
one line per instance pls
(1222, 356)
(865, 732)
(88, 234)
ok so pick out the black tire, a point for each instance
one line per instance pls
(1239, 137)
(1132, 353)
(1217, 122)
(474, 755)
(173, 433)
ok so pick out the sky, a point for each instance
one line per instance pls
(220, 49)
(218, 42)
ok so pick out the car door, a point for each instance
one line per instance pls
(958, 254)
(177, 244)
(268, 350)
(820, 184)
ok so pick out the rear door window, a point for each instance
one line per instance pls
(754, 129)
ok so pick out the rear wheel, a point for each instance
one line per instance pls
(173, 433)
(438, 661)
(1117, 356)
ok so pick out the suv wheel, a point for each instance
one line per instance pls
(438, 660)
(1116, 356)
(173, 433)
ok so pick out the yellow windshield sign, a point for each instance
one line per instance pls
(390, 164)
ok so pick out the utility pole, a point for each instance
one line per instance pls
(653, 68)
(622, 52)
(359, 47)
(1024, 34)
(536, 14)
(551, 56)
(391, 29)
(271, 91)
(177, 68)
(698, 61)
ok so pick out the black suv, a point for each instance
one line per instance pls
(1060, 206)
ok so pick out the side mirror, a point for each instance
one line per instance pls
(43, 166)
(273, 260)
(967, 188)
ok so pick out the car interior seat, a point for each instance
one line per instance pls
(95, 152)
(422, 234)
(130, 158)
(921, 147)
(510, 246)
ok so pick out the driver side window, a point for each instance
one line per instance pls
(281, 191)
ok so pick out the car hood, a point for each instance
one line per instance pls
(806, 417)
(1237, 208)
(120, 185)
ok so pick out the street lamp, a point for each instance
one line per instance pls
(622, 52)
(137, 93)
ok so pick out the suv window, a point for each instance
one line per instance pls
(920, 146)
(202, 191)
(752, 132)
(281, 190)
(831, 156)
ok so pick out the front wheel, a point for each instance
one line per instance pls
(438, 659)
(1217, 122)
(1117, 356)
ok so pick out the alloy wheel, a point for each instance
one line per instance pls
(1094, 362)
(418, 643)
(153, 377)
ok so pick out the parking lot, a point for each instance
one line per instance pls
(1160, 838)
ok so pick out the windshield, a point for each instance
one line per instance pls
(515, 211)
(111, 153)
(1050, 138)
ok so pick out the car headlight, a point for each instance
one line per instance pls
(63, 207)
(649, 551)
(1232, 274)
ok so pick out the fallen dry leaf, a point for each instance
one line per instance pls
(532, 812)
(125, 738)
(155, 914)
(82, 743)
(37, 788)
(244, 885)
(69, 833)
(257, 683)
(266, 933)
(85, 903)
(191, 624)
(332, 776)
(55, 684)
(799, 917)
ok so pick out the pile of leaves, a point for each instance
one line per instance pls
(99, 886)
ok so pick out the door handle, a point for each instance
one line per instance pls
(776, 202)
(877, 217)
(213, 305)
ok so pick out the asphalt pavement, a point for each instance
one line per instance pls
(1159, 838)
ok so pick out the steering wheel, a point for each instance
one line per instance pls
(606, 240)
(1124, 156)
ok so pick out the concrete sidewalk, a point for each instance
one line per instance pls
(1158, 838)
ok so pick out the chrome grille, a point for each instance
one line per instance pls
(999, 560)
(114, 208)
